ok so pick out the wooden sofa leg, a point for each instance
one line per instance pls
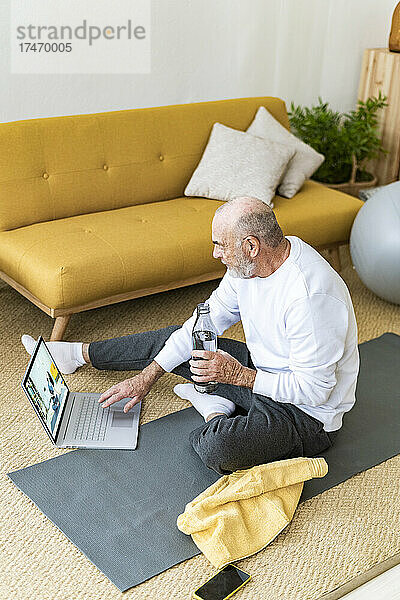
(59, 327)
(334, 258)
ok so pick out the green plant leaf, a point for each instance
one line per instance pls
(339, 135)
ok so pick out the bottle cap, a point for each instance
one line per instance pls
(203, 308)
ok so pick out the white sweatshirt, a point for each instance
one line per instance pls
(300, 329)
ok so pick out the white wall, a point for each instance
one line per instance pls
(214, 49)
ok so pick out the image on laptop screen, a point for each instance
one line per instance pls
(46, 388)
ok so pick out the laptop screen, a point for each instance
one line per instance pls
(45, 387)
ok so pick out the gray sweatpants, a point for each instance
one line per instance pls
(259, 431)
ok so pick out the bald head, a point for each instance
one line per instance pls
(246, 216)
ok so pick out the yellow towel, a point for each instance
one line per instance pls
(243, 512)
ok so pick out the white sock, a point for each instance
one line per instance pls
(205, 404)
(67, 355)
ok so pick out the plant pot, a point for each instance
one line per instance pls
(353, 187)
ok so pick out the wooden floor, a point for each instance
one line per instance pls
(384, 587)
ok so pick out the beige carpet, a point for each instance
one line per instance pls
(336, 539)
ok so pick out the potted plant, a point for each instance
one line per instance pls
(347, 140)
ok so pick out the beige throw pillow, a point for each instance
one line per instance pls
(236, 163)
(303, 164)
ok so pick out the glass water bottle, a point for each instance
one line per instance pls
(204, 337)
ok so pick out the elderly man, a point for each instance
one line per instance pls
(281, 394)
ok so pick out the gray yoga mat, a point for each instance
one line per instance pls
(120, 507)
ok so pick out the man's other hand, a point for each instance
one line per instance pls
(135, 388)
(221, 367)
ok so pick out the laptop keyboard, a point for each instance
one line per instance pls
(92, 421)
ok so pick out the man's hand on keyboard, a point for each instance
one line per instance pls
(135, 388)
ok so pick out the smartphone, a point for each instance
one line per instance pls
(223, 585)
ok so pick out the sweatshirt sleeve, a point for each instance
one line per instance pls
(224, 312)
(316, 328)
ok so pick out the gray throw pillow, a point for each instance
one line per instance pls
(305, 161)
(235, 163)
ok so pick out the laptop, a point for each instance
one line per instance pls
(76, 419)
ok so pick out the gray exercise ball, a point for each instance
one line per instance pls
(375, 243)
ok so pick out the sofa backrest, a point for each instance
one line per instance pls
(64, 166)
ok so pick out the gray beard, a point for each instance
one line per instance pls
(244, 270)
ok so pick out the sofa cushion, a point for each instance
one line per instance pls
(305, 161)
(317, 214)
(70, 262)
(60, 167)
(78, 260)
(235, 163)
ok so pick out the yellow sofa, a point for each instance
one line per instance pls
(92, 210)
